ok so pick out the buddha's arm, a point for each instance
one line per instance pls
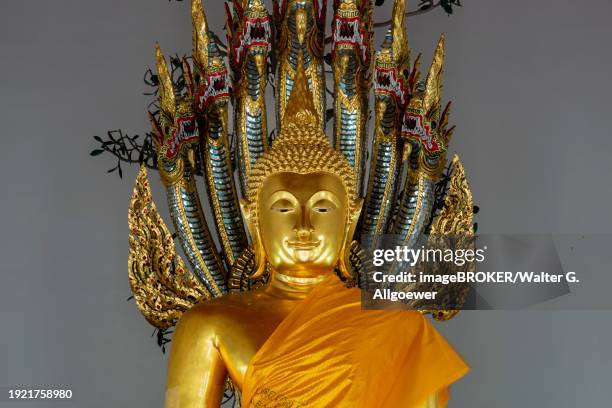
(196, 372)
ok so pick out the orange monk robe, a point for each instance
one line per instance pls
(330, 353)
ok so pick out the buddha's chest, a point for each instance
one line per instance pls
(243, 339)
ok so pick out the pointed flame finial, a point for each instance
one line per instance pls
(167, 101)
(433, 84)
(400, 48)
(199, 34)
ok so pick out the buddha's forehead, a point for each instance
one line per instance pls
(304, 186)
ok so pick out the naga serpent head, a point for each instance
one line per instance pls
(249, 33)
(210, 84)
(424, 123)
(175, 130)
(351, 30)
(392, 62)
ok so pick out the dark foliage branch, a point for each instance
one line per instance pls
(424, 6)
(163, 337)
(126, 149)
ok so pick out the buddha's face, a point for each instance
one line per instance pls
(303, 222)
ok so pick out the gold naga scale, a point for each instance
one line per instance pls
(406, 151)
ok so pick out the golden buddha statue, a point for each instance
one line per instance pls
(291, 332)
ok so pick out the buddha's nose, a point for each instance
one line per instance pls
(303, 234)
(303, 229)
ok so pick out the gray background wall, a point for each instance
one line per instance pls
(530, 83)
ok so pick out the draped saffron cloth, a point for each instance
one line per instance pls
(330, 353)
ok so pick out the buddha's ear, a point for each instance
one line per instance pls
(248, 217)
(353, 219)
(253, 228)
(351, 225)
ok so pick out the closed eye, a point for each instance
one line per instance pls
(323, 206)
(282, 206)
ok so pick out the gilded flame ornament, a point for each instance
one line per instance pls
(308, 205)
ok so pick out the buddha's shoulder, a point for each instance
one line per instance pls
(231, 309)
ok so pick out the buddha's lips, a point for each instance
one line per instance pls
(303, 245)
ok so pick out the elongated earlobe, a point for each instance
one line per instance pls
(344, 262)
(353, 219)
(252, 227)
